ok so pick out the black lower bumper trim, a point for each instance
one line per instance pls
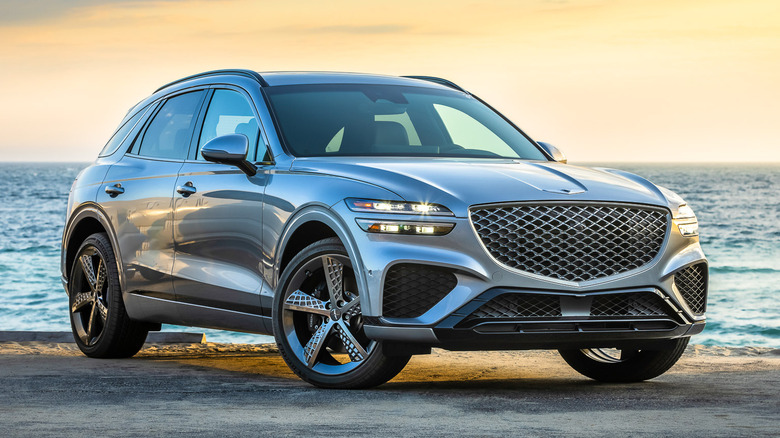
(469, 339)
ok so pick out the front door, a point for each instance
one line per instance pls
(218, 220)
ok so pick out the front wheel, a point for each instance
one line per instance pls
(625, 365)
(318, 323)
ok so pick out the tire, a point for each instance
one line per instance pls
(317, 322)
(100, 324)
(611, 365)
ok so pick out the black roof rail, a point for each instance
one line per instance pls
(240, 72)
(439, 81)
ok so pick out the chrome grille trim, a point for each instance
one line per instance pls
(572, 241)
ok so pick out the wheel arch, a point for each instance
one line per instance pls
(310, 225)
(86, 220)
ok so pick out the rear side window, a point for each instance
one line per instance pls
(168, 134)
(229, 113)
(121, 133)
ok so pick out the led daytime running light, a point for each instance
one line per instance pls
(685, 212)
(689, 229)
(372, 206)
(405, 227)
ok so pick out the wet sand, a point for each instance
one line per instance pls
(50, 389)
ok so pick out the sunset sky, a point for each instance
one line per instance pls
(682, 80)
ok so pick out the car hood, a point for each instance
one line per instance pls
(459, 183)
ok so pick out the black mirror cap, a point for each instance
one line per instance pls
(552, 151)
(229, 149)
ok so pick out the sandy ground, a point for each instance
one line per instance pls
(50, 389)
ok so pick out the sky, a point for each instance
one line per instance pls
(603, 80)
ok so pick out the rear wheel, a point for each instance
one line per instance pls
(625, 365)
(318, 322)
(100, 324)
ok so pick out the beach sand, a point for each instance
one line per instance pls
(51, 389)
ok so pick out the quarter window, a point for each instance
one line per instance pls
(168, 134)
(120, 134)
(229, 113)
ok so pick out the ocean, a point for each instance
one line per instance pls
(738, 207)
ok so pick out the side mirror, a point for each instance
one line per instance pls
(229, 149)
(554, 152)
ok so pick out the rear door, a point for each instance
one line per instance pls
(138, 191)
(218, 218)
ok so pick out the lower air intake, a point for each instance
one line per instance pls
(692, 284)
(411, 290)
(627, 305)
(519, 306)
(522, 306)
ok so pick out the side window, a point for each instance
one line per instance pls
(168, 134)
(229, 113)
(121, 133)
(467, 132)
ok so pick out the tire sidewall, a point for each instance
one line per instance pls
(349, 379)
(113, 293)
(647, 364)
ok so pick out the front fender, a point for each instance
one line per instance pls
(336, 223)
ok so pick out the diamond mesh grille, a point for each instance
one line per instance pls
(519, 306)
(571, 242)
(411, 290)
(692, 284)
(635, 304)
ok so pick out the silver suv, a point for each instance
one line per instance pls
(362, 219)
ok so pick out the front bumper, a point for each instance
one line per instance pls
(480, 278)
(579, 322)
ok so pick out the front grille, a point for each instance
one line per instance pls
(636, 304)
(411, 290)
(692, 284)
(519, 306)
(571, 242)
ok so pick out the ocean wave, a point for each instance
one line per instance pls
(742, 270)
(31, 249)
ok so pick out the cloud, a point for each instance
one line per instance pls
(26, 11)
(381, 29)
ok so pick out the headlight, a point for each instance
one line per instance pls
(685, 212)
(405, 227)
(373, 206)
(686, 221)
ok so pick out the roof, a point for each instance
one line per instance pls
(271, 79)
(305, 78)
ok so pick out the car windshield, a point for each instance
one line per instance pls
(382, 120)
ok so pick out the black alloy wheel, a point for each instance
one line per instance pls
(100, 324)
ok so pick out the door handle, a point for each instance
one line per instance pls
(186, 190)
(115, 190)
